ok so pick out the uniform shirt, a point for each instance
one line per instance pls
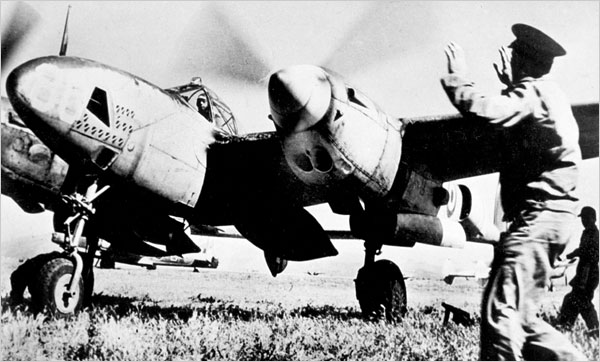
(586, 276)
(541, 141)
(588, 247)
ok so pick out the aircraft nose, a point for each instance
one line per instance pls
(14, 85)
(299, 97)
(43, 95)
(31, 87)
(46, 96)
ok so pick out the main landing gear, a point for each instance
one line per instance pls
(62, 282)
(380, 288)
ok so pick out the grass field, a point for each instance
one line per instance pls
(176, 314)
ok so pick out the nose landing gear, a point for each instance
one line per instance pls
(53, 289)
(62, 283)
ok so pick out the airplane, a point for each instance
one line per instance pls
(189, 260)
(481, 273)
(139, 155)
(32, 176)
(107, 257)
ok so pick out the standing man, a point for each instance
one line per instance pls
(585, 282)
(538, 178)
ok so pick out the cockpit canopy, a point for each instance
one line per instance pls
(208, 104)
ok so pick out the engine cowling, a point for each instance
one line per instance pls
(331, 132)
(31, 174)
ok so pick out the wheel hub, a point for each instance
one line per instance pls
(66, 302)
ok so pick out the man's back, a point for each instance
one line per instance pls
(541, 150)
(589, 245)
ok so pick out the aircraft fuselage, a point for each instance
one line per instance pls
(90, 112)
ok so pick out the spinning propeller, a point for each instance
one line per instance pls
(16, 27)
(212, 44)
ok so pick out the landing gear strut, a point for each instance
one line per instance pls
(380, 288)
(63, 284)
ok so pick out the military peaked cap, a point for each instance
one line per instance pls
(588, 211)
(534, 43)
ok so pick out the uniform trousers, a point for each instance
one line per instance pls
(510, 327)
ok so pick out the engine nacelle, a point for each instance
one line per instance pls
(331, 132)
(32, 175)
(413, 228)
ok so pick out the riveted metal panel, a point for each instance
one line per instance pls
(173, 164)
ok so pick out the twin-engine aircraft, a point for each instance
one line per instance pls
(137, 156)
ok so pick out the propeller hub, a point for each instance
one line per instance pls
(299, 97)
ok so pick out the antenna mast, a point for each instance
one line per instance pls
(65, 37)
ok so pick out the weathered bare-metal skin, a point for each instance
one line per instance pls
(32, 174)
(353, 139)
(155, 141)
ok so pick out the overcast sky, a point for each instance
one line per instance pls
(393, 51)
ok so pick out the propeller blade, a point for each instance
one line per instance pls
(214, 45)
(15, 29)
(384, 31)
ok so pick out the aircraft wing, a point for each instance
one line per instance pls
(249, 184)
(456, 147)
(253, 167)
(587, 119)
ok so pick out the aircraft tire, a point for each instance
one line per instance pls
(48, 291)
(23, 277)
(381, 291)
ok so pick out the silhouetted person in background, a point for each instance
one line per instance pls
(585, 282)
(540, 152)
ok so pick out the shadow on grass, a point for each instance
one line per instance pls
(118, 307)
(210, 307)
(7, 304)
